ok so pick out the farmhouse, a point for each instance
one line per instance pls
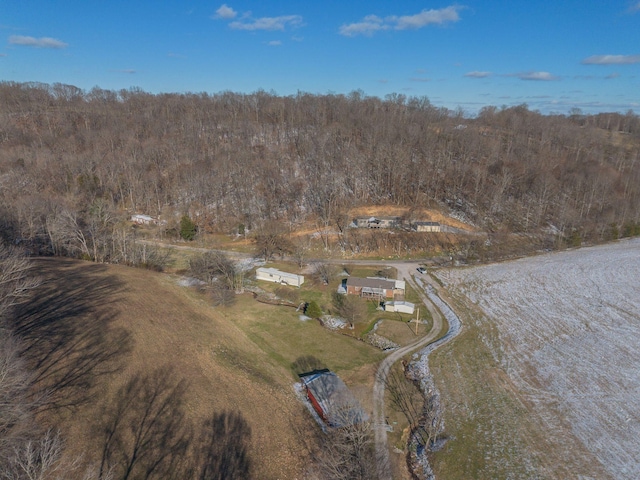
(142, 219)
(331, 399)
(277, 276)
(376, 222)
(399, 306)
(427, 227)
(374, 287)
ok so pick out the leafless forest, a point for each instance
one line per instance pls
(74, 163)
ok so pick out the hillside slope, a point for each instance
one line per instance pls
(163, 324)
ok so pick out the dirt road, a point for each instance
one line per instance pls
(382, 450)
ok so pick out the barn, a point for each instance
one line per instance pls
(278, 276)
(331, 399)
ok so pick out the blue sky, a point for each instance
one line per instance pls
(553, 56)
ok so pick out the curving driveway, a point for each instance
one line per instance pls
(380, 432)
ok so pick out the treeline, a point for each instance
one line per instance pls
(73, 163)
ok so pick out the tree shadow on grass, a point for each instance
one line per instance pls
(146, 434)
(67, 332)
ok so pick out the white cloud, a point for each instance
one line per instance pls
(368, 26)
(268, 23)
(419, 79)
(274, 43)
(536, 76)
(611, 60)
(477, 74)
(426, 17)
(372, 23)
(225, 12)
(3, 54)
(635, 7)
(611, 76)
(42, 42)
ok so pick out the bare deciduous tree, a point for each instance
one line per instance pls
(350, 307)
(323, 272)
(347, 452)
(16, 280)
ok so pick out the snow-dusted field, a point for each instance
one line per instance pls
(569, 328)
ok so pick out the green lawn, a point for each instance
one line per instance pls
(280, 333)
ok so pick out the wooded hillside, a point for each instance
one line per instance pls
(74, 164)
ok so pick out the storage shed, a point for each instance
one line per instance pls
(399, 306)
(278, 276)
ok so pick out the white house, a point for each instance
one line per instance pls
(399, 306)
(142, 219)
(277, 276)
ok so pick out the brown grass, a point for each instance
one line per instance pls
(424, 214)
(237, 358)
(401, 331)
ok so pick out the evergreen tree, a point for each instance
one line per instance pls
(313, 310)
(187, 228)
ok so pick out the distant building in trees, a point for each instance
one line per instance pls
(427, 227)
(376, 222)
(277, 276)
(143, 219)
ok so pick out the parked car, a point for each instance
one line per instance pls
(422, 270)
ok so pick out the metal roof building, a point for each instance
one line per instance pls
(278, 276)
(331, 398)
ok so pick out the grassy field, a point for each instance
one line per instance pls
(542, 381)
(489, 427)
(494, 428)
(238, 358)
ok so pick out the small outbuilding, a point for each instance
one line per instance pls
(278, 276)
(331, 399)
(399, 306)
